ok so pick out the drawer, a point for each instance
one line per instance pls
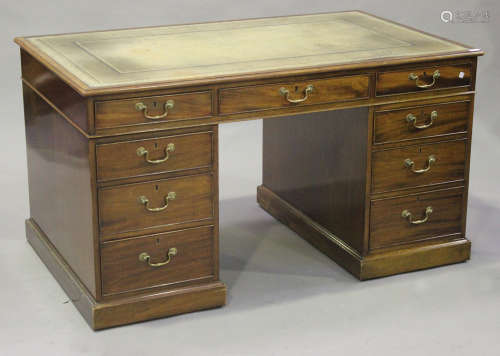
(418, 165)
(157, 203)
(156, 155)
(423, 79)
(421, 122)
(416, 217)
(174, 257)
(291, 94)
(152, 109)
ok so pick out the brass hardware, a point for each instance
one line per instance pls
(141, 151)
(406, 214)
(144, 257)
(411, 165)
(285, 92)
(145, 201)
(412, 120)
(416, 78)
(169, 104)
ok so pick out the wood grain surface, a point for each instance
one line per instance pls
(388, 227)
(187, 106)
(60, 190)
(262, 97)
(398, 82)
(317, 163)
(120, 159)
(392, 126)
(390, 173)
(122, 271)
(120, 210)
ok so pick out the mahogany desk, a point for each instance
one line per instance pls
(368, 161)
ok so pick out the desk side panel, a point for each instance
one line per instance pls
(317, 163)
(60, 191)
(55, 90)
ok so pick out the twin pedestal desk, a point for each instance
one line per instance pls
(367, 137)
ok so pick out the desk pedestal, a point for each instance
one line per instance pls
(320, 179)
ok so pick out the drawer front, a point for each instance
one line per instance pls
(152, 109)
(423, 79)
(151, 156)
(417, 217)
(418, 166)
(158, 203)
(173, 257)
(421, 122)
(284, 95)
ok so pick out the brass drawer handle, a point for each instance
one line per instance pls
(145, 201)
(286, 93)
(141, 151)
(169, 104)
(411, 165)
(412, 121)
(144, 257)
(406, 214)
(416, 78)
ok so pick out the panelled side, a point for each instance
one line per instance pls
(60, 189)
(317, 163)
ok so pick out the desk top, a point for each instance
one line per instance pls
(121, 60)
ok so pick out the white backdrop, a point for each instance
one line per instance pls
(284, 296)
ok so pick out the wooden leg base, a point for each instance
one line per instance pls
(102, 315)
(363, 267)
